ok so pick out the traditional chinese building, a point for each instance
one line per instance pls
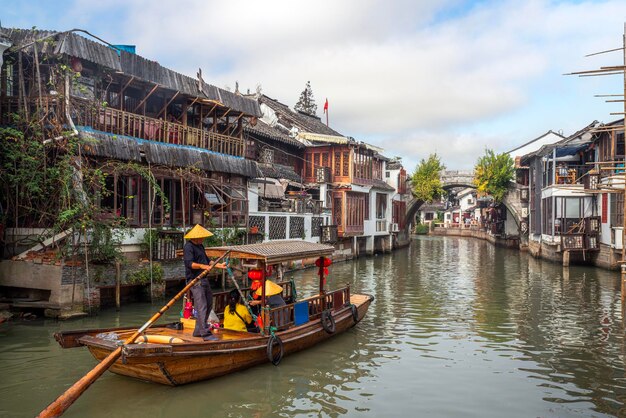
(146, 147)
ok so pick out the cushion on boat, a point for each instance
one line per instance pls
(301, 313)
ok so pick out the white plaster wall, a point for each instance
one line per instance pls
(545, 139)
(308, 221)
(510, 227)
(253, 197)
(392, 180)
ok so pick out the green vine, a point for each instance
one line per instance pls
(226, 236)
(142, 276)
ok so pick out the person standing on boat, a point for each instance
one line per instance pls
(196, 261)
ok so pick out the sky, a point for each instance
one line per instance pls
(450, 77)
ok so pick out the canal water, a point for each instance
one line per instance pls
(458, 329)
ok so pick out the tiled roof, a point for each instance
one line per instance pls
(264, 130)
(300, 120)
(71, 44)
(277, 171)
(120, 147)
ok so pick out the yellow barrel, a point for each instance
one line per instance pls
(158, 339)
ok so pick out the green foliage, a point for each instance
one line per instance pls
(104, 245)
(493, 173)
(37, 179)
(142, 276)
(306, 102)
(150, 237)
(226, 236)
(421, 229)
(425, 179)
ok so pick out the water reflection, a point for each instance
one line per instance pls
(458, 328)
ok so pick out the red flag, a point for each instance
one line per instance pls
(326, 106)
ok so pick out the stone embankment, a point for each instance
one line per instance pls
(474, 232)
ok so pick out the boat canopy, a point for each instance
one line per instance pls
(274, 252)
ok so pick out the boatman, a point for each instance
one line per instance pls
(196, 261)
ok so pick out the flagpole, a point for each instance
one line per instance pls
(326, 110)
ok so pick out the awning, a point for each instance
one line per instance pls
(214, 199)
(217, 194)
(570, 149)
(271, 191)
(234, 193)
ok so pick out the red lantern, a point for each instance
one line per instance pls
(255, 274)
(76, 65)
(327, 262)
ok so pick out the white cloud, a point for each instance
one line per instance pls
(415, 77)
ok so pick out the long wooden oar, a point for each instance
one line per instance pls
(60, 405)
(243, 298)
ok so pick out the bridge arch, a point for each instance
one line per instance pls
(411, 210)
(456, 178)
(453, 179)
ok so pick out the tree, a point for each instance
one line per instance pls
(425, 179)
(493, 173)
(306, 103)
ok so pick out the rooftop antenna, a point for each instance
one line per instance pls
(613, 129)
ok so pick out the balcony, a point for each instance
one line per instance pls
(569, 175)
(119, 122)
(351, 230)
(578, 234)
(48, 108)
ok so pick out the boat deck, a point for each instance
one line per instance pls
(186, 334)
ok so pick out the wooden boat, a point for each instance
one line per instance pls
(173, 356)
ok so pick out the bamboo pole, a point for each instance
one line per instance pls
(623, 275)
(118, 287)
(63, 402)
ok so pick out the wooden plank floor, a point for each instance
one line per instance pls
(187, 334)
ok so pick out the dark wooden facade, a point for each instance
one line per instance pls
(345, 164)
(126, 108)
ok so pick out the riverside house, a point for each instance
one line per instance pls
(155, 136)
(335, 181)
(281, 206)
(562, 212)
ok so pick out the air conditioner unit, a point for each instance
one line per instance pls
(616, 237)
(393, 227)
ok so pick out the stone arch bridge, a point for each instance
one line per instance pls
(451, 179)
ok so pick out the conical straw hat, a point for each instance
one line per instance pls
(271, 289)
(198, 231)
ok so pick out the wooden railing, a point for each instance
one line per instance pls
(89, 113)
(283, 316)
(106, 119)
(48, 110)
(220, 299)
(350, 230)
